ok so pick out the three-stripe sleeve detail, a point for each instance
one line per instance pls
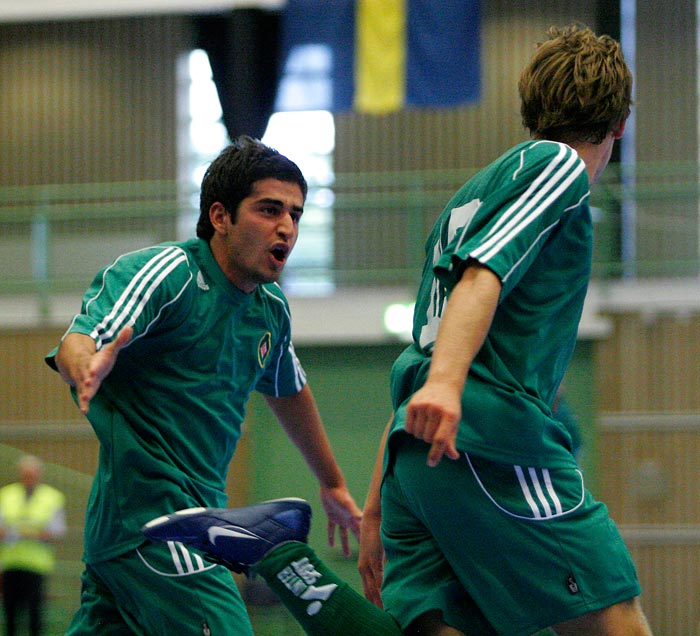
(553, 181)
(132, 301)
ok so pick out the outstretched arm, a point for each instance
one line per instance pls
(434, 411)
(301, 420)
(82, 366)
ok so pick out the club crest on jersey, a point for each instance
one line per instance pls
(264, 347)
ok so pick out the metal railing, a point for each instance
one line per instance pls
(53, 239)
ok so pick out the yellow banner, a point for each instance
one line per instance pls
(380, 56)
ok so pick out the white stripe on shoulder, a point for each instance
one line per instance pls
(579, 202)
(130, 304)
(536, 186)
(174, 299)
(549, 185)
(299, 373)
(278, 299)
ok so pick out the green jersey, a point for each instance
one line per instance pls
(526, 217)
(169, 414)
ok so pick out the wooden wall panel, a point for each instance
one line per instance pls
(69, 445)
(649, 465)
(666, 108)
(32, 392)
(89, 101)
(652, 363)
(649, 442)
(669, 571)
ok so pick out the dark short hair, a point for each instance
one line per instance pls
(230, 177)
(577, 86)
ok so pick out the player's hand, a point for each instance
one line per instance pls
(371, 560)
(433, 415)
(342, 513)
(98, 367)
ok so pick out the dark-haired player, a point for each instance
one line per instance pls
(169, 344)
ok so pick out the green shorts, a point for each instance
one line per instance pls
(500, 549)
(160, 589)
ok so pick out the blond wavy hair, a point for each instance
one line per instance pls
(576, 88)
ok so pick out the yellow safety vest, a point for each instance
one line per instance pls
(32, 514)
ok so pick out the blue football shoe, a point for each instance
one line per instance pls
(237, 538)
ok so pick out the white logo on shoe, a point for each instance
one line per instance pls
(217, 531)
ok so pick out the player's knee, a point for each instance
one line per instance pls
(431, 624)
(622, 619)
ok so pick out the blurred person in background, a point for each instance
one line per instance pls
(32, 518)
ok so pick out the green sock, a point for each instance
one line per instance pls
(319, 600)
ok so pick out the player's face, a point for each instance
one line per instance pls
(254, 249)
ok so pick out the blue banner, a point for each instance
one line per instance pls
(440, 66)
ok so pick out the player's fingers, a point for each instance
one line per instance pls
(344, 541)
(370, 587)
(356, 528)
(83, 403)
(437, 450)
(331, 533)
(442, 448)
(452, 452)
(353, 525)
(416, 423)
(85, 392)
(410, 421)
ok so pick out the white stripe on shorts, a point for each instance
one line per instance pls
(538, 491)
(539, 476)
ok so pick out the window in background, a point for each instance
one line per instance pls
(202, 134)
(307, 136)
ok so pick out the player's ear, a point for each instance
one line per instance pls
(620, 130)
(219, 216)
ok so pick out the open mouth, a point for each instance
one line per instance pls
(279, 253)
